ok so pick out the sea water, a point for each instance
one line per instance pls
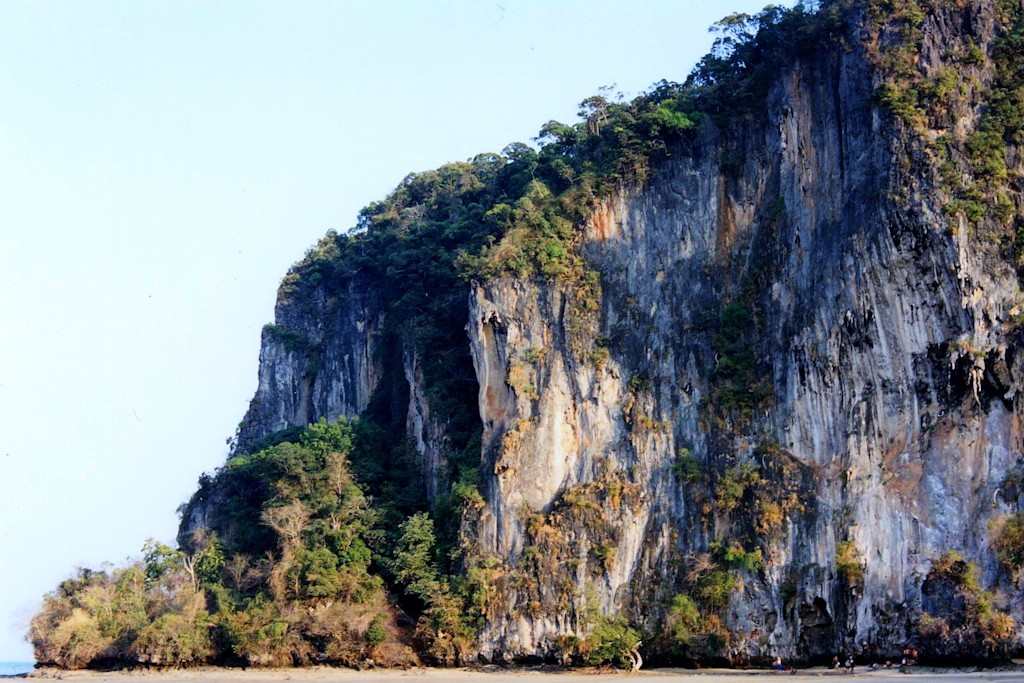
(13, 668)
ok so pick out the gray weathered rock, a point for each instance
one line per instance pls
(320, 359)
(882, 327)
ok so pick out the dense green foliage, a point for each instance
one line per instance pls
(734, 79)
(694, 627)
(291, 583)
(693, 632)
(445, 630)
(686, 468)
(733, 485)
(612, 641)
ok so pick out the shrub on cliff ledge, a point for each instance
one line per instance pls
(1007, 534)
(849, 564)
(694, 635)
(960, 619)
(733, 484)
(686, 468)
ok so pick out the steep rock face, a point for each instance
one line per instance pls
(793, 349)
(326, 356)
(880, 327)
(319, 359)
(424, 429)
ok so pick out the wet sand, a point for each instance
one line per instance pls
(328, 675)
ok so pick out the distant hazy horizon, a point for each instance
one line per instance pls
(164, 164)
(15, 668)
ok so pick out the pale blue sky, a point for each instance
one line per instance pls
(161, 166)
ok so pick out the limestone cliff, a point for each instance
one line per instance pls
(795, 307)
(885, 330)
(319, 359)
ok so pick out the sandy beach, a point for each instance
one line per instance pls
(325, 675)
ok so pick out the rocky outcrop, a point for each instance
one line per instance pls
(881, 326)
(320, 359)
(328, 355)
(425, 430)
(792, 347)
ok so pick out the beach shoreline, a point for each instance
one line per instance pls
(505, 675)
